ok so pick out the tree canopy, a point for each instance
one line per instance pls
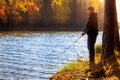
(42, 12)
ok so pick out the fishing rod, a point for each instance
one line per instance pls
(75, 40)
(72, 44)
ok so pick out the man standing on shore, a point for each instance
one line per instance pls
(92, 32)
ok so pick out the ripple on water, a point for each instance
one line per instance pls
(37, 56)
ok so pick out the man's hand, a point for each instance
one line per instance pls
(83, 33)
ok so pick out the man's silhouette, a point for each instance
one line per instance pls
(92, 32)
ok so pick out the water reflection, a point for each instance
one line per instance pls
(37, 55)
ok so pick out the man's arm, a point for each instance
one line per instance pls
(85, 31)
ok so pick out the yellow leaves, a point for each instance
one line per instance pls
(14, 8)
(108, 69)
(94, 3)
(22, 5)
(57, 3)
(17, 5)
(89, 74)
(61, 10)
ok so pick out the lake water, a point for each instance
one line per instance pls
(38, 55)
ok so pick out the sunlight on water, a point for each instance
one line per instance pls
(37, 56)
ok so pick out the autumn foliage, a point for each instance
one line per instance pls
(2, 13)
(32, 8)
(34, 11)
(13, 10)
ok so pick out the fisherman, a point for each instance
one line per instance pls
(92, 32)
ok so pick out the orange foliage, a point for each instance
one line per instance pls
(2, 12)
(32, 8)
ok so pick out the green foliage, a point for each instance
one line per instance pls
(98, 48)
(75, 66)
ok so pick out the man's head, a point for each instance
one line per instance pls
(91, 9)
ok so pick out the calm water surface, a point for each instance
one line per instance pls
(37, 55)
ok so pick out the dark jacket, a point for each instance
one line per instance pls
(92, 25)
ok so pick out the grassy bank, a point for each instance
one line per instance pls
(80, 70)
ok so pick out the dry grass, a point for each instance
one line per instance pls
(109, 71)
(75, 66)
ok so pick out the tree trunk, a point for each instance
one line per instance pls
(47, 12)
(78, 13)
(73, 7)
(109, 29)
(101, 15)
(83, 14)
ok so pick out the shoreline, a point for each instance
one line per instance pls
(80, 70)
